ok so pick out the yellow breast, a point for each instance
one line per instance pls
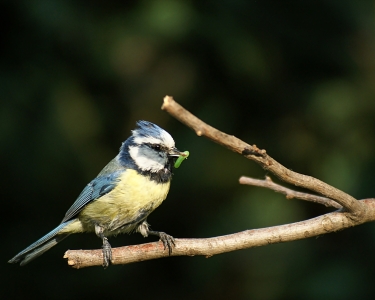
(133, 195)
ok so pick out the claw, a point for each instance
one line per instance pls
(167, 240)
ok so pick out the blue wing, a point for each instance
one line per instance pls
(101, 185)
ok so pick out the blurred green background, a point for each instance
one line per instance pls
(296, 78)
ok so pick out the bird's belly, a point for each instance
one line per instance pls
(130, 202)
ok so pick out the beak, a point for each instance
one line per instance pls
(174, 152)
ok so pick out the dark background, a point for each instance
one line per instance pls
(296, 78)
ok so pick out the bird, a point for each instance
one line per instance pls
(122, 196)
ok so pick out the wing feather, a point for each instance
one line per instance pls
(101, 185)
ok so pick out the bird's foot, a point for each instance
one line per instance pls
(107, 253)
(167, 240)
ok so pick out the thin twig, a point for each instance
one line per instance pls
(290, 194)
(262, 158)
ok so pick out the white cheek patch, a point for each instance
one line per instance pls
(147, 159)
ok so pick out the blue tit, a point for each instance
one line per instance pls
(122, 196)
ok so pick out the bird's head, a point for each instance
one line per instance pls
(150, 148)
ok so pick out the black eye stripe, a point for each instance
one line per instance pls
(156, 147)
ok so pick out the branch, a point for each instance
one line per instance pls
(353, 212)
(290, 194)
(208, 247)
(262, 158)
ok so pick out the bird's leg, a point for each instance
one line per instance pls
(107, 250)
(167, 240)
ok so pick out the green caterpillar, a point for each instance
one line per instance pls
(181, 158)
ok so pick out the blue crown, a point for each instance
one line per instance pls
(146, 128)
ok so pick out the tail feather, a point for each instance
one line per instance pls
(40, 246)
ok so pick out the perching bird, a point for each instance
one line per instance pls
(122, 196)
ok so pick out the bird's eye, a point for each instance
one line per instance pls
(156, 147)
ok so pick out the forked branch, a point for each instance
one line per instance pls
(289, 193)
(351, 212)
